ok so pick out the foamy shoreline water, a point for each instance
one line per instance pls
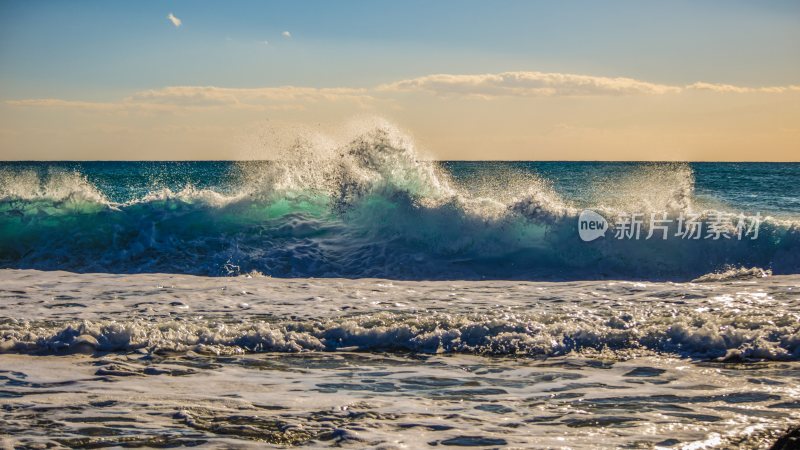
(165, 359)
(54, 312)
(384, 400)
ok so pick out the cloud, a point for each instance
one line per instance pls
(198, 98)
(59, 103)
(211, 95)
(728, 88)
(56, 103)
(175, 21)
(526, 84)
(286, 34)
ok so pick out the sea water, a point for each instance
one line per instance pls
(361, 296)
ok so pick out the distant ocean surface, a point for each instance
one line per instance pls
(364, 298)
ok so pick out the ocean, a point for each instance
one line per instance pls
(364, 297)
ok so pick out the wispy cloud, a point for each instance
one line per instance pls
(175, 21)
(57, 103)
(211, 95)
(527, 84)
(540, 84)
(198, 98)
(731, 89)
(286, 34)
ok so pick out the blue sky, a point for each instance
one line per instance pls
(99, 48)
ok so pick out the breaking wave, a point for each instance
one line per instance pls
(368, 207)
(701, 334)
(734, 274)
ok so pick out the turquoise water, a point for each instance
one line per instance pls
(374, 210)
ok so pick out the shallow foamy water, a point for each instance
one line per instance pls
(163, 360)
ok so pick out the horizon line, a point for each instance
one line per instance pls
(422, 160)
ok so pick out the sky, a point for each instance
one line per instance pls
(467, 80)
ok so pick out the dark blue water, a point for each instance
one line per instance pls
(380, 213)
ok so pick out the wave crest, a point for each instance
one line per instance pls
(58, 189)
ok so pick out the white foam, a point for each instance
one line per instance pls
(246, 314)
